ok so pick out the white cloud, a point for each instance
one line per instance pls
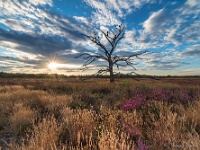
(41, 2)
(156, 22)
(163, 26)
(130, 36)
(174, 3)
(23, 25)
(131, 42)
(82, 19)
(111, 12)
(192, 32)
(140, 3)
(173, 37)
(193, 51)
(30, 17)
(192, 3)
(10, 50)
(102, 15)
(17, 15)
(164, 65)
(176, 26)
(74, 51)
(191, 71)
(183, 32)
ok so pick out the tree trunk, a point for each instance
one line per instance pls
(111, 72)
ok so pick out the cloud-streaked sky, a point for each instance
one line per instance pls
(34, 33)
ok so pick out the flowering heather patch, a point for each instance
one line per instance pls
(136, 102)
(181, 95)
(141, 99)
(160, 94)
(132, 130)
(141, 145)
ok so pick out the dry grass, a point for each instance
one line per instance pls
(44, 135)
(73, 115)
(21, 119)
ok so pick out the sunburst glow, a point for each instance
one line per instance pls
(52, 66)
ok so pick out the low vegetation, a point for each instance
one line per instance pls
(69, 114)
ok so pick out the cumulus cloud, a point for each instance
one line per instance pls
(34, 44)
(41, 2)
(165, 60)
(9, 63)
(82, 19)
(191, 71)
(191, 7)
(25, 60)
(156, 22)
(166, 65)
(36, 34)
(193, 51)
(174, 26)
(31, 17)
(111, 12)
(34, 30)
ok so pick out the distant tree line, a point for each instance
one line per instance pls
(58, 76)
(23, 75)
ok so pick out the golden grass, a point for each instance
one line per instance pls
(74, 115)
(44, 135)
(21, 118)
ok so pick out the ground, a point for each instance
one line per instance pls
(95, 114)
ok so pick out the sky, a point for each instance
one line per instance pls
(44, 36)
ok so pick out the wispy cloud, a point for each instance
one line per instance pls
(35, 44)
(191, 71)
(193, 51)
(32, 32)
(82, 19)
(157, 21)
(33, 17)
(173, 26)
(111, 12)
(166, 65)
(33, 29)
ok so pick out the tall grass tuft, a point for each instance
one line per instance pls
(58, 114)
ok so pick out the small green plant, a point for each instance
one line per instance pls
(125, 83)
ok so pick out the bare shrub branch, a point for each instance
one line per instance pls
(113, 37)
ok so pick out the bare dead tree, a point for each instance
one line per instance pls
(106, 51)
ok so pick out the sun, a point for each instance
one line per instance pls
(52, 66)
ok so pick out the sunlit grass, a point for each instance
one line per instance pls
(73, 114)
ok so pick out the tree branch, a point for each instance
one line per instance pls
(126, 58)
(96, 40)
(91, 58)
(107, 37)
(113, 37)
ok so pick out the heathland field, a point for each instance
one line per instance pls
(69, 114)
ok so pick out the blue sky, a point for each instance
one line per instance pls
(34, 33)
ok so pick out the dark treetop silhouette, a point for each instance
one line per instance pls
(106, 51)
